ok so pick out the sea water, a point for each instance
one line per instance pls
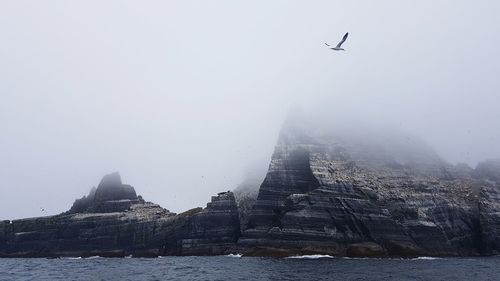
(235, 267)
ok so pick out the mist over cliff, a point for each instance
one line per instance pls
(184, 97)
(329, 189)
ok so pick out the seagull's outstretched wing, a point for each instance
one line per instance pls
(342, 41)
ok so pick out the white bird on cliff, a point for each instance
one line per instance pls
(337, 48)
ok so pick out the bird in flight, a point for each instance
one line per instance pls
(337, 48)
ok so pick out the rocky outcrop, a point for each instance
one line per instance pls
(113, 221)
(110, 196)
(111, 189)
(346, 193)
(211, 231)
(340, 192)
(87, 234)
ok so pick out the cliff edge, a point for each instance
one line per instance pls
(371, 193)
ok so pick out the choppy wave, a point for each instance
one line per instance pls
(251, 268)
(311, 257)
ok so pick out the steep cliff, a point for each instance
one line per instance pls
(332, 191)
(346, 192)
(211, 231)
(114, 221)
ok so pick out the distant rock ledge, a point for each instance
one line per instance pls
(323, 194)
(112, 221)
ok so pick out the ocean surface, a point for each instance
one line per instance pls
(235, 267)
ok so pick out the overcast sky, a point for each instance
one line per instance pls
(183, 97)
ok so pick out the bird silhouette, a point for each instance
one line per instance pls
(338, 48)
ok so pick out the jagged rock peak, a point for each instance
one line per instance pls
(111, 188)
(109, 196)
(112, 179)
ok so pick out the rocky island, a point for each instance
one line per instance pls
(326, 192)
(112, 221)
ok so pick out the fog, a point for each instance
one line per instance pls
(184, 97)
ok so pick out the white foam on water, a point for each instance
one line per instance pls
(392, 258)
(362, 258)
(426, 258)
(234, 255)
(311, 257)
(92, 257)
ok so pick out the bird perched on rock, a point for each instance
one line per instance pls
(338, 48)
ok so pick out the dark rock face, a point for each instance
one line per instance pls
(359, 195)
(87, 234)
(82, 205)
(340, 193)
(110, 196)
(211, 231)
(111, 188)
(115, 222)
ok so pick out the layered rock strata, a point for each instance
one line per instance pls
(347, 194)
(115, 222)
(340, 192)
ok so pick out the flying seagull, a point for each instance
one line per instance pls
(337, 48)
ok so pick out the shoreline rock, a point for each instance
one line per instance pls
(334, 193)
(118, 223)
(324, 194)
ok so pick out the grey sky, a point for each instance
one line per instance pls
(182, 97)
